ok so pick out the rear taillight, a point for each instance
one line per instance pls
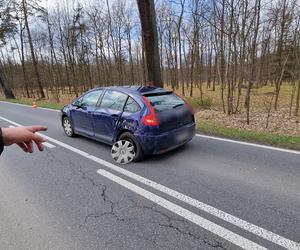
(187, 104)
(150, 119)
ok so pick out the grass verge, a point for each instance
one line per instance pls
(286, 141)
(42, 103)
(210, 128)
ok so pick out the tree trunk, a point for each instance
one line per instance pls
(22, 59)
(253, 58)
(149, 32)
(42, 94)
(6, 87)
(280, 53)
(297, 100)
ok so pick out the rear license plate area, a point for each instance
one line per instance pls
(182, 136)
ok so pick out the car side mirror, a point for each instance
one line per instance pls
(77, 105)
(81, 106)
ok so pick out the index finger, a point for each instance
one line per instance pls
(36, 128)
(39, 141)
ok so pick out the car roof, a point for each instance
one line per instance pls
(133, 89)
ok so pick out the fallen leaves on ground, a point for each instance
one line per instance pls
(279, 121)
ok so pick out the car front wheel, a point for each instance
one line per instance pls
(68, 127)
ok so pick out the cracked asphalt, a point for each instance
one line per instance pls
(56, 199)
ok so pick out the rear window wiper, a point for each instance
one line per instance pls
(158, 93)
(178, 105)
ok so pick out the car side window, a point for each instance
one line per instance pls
(90, 99)
(131, 106)
(113, 100)
(78, 101)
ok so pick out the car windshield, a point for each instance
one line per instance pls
(164, 101)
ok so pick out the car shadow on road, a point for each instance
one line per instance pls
(168, 155)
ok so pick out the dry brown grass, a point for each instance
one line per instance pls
(280, 122)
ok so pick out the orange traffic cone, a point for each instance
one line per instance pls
(34, 105)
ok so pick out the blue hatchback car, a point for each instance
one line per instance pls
(135, 120)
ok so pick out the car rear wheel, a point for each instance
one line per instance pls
(126, 149)
(68, 127)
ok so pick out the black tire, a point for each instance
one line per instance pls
(139, 154)
(68, 126)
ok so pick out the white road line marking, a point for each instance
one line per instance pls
(250, 144)
(261, 232)
(47, 144)
(188, 215)
(28, 106)
(203, 136)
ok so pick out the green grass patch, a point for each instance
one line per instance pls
(205, 103)
(286, 141)
(41, 103)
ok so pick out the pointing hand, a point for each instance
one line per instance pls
(24, 137)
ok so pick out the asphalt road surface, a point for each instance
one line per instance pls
(209, 194)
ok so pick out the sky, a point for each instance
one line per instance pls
(53, 3)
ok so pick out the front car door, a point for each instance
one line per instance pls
(106, 117)
(82, 115)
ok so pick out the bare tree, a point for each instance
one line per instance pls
(253, 55)
(7, 26)
(34, 61)
(149, 32)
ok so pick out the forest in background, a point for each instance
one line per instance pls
(231, 48)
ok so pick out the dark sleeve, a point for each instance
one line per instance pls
(1, 142)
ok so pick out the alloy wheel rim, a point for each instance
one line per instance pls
(123, 152)
(67, 127)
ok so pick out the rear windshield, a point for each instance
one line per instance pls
(164, 102)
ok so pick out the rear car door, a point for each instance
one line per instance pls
(83, 113)
(107, 116)
(131, 115)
